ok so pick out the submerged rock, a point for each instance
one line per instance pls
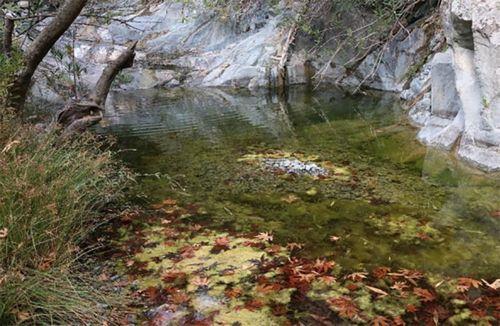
(297, 164)
(294, 166)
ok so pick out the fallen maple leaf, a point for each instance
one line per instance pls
(323, 266)
(222, 242)
(465, 283)
(424, 294)
(411, 308)
(329, 279)
(253, 305)
(201, 281)
(179, 298)
(187, 252)
(195, 227)
(357, 277)
(233, 293)
(352, 287)
(293, 245)
(398, 321)
(274, 249)
(399, 286)
(265, 236)
(345, 306)
(152, 293)
(380, 321)
(307, 277)
(381, 272)
(174, 276)
(411, 274)
(377, 291)
(268, 288)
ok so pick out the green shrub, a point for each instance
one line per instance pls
(52, 192)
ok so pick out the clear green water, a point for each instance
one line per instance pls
(402, 206)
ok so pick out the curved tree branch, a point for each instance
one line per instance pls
(37, 50)
(101, 90)
(79, 116)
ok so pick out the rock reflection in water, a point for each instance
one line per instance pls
(399, 203)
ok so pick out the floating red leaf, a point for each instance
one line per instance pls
(424, 295)
(345, 306)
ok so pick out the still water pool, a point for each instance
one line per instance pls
(393, 203)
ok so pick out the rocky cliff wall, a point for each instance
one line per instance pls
(461, 109)
(444, 63)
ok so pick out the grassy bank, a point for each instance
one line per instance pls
(52, 194)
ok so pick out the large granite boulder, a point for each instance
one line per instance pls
(182, 44)
(466, 84)
(445, 124)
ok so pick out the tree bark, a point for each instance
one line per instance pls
(7, 35)
(79, 116)
(65, 16)
(101, 90)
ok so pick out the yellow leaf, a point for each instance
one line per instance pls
(290, 199)
(312, 192)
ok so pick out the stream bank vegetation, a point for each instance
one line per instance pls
(54, 194)
(57, 186)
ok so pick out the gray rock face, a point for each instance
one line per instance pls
(192, 46)
(189, 46)
(420, 84)
(421, 111)
(440, 129)
(465, 85)
(389, 70)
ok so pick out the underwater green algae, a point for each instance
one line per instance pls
(184, 274)
(401, 205)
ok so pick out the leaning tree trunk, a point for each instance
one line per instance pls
(77, 116)
(7, 35)
(37, 50)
